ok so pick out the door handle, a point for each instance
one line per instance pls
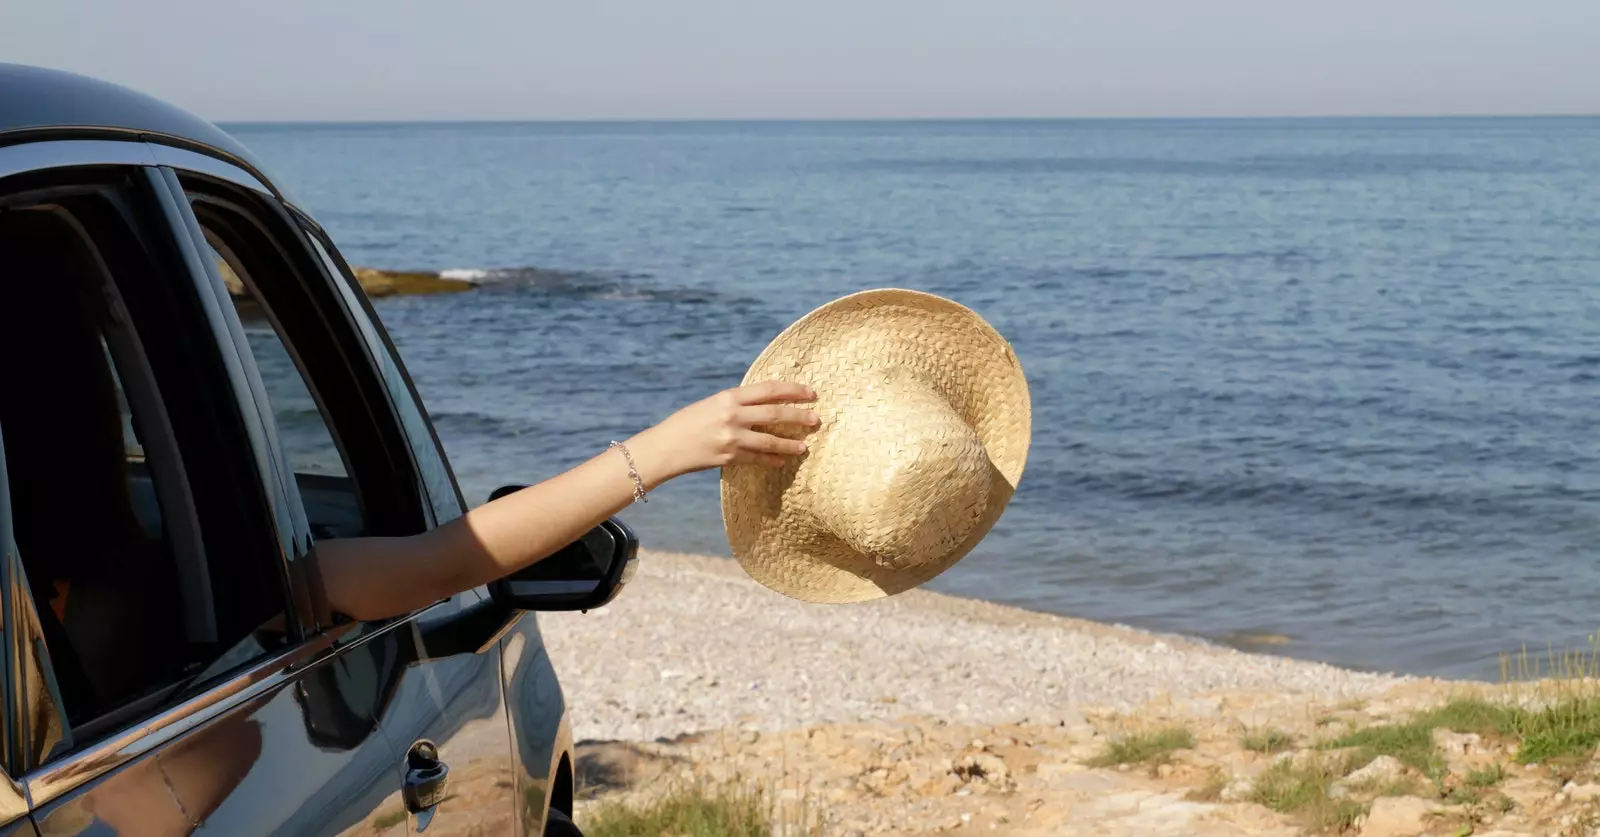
(427, 779)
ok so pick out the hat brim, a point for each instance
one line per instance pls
(978, 372)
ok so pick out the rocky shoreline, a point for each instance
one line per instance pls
(929, 713)
(377, 283)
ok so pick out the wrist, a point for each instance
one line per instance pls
(651, 458)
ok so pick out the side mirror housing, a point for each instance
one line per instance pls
(583, 575)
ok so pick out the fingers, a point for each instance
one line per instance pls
(768, 392)
(769, 414)
(750, 441)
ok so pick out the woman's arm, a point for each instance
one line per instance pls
(374, 578)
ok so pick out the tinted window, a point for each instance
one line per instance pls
(127, 548)
(302, 424)
(331, 412)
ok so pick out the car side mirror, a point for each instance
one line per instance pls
(583, 575)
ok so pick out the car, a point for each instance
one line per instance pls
(194, 392)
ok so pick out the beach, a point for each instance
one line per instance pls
(692, 644)
(930, 713)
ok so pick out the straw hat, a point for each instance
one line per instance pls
(925, 428)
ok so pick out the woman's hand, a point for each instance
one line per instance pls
(721, 429)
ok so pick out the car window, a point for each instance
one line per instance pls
(443, 493)
(302, 422)
(302, 425)
(330, 409)
(140, 569)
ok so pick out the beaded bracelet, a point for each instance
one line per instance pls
(633, 472)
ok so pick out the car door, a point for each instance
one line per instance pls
(541, 740)
(233, 717)
(439, 695)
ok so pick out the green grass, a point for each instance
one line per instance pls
(1269, 741)
(688, 812)
(1486, 777)
(1301, 789)
(1410, 743)
(1472, 715)
(1145, 748)
(1566, 730)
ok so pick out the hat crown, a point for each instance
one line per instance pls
(924, 435)
(919, 474)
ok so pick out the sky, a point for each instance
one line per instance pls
(721, 59)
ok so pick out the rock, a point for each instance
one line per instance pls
(380, 283)
(1582, 793)
(1457, 743)
(1338, 790)
(1238, 790)
(377, 283)
(984, 770)
(1397, 816)
(945, 785)
(1526, 791)
(1379, 771)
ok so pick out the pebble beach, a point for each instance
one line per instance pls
(694, 644)
(925, 713)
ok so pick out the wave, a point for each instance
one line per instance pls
(1320, 496)
(579, 285)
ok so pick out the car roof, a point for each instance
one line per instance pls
(36, 102)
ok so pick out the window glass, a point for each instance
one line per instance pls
(290, 343)
(439, 482)
(134, 607)
(302, 425)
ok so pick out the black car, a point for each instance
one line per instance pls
(194, 391)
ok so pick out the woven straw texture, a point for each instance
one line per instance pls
(926, 422)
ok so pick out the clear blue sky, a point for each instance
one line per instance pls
(537, 59)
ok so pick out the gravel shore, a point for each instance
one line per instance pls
(693, 645)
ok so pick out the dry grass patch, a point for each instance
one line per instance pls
(1145, 748)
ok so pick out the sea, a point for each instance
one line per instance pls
(1322, 388)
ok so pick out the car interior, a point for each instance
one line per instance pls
(132, 608)
(86, 531)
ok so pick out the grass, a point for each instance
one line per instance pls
(694, 811)
(1564, 730)
(1486, 777)
(1303, 789)
(1145, 748)
(1410, 743)
(1269, 741)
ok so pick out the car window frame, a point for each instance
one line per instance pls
(442, 487)
(127, 165)
(378, 400)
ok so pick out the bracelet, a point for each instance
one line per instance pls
(633, 472)
(173, 792)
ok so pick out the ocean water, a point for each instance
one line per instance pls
(1331, 386)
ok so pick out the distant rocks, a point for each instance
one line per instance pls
(381, 283)
(376, 283)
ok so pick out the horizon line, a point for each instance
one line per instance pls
(690, 120)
